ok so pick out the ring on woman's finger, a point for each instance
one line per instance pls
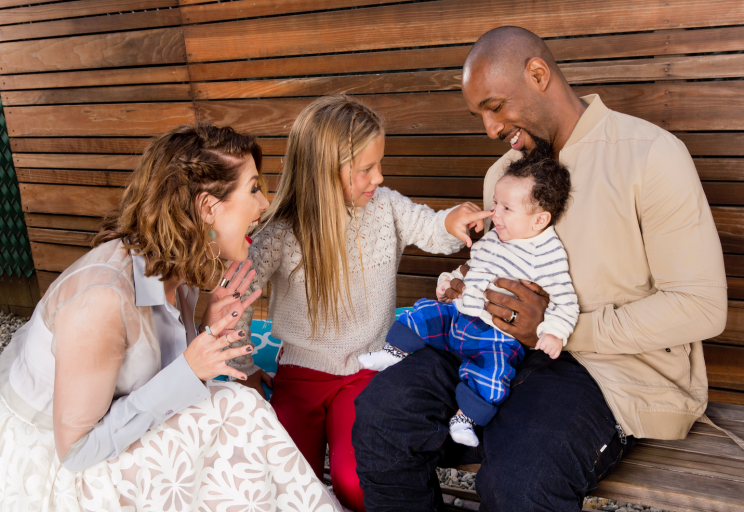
(208, 330)
(224, 282)
(512, 318)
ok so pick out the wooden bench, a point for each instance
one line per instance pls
(705, 471)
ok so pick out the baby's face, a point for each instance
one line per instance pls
(513, 214)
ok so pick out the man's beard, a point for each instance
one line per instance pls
(542, 147)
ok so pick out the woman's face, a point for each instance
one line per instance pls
(367, 175)
(234, 215)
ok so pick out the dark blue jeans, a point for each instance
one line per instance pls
(551, 442)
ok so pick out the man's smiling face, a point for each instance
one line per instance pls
(510, 108)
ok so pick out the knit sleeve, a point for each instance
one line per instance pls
(265, 255)
(419, 225)
(563, 310)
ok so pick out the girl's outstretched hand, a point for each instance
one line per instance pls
(224, 302)
(460, 220)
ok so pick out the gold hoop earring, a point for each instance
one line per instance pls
(212, 235)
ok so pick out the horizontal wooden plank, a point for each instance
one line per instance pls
(81, 145)
(726, 396)
(445, 80)
(66, 161)
(412, 288)
(127, 93)
(77, 26)
(45, 279)
(730, 225)
(735, 287)
(99, 77)
(16, 3)
(55, 257)
(734, 264)
(672, 68)
(59, 236)
(137, 48)
(728, 193)
(41, 220)
(734, 332)
(601, 47)
(442, 22)
(256, 8)
(677, 106)
(66, 177)
(428, 266)
(78, 8)
(69, 200)
(689, 463)
(669, 490)
(713, 144)
(725, 365)
(134, 119)
(720, 169)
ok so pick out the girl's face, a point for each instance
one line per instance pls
(367, 175)
(233, 216)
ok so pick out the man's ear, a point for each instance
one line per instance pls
(205, 206)
(538, 73)
(542, 220)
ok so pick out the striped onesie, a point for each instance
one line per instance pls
(464, 327)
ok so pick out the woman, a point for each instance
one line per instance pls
(106, 401)
(330, 246)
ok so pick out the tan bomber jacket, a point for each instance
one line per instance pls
(647, 266)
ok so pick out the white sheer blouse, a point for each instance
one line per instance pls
(101, 360)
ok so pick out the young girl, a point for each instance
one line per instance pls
(330, 245)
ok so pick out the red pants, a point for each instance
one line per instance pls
(318, 408)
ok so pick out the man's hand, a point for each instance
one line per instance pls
(530, 304)
(254, 381)
(550, 344)
(459, 221)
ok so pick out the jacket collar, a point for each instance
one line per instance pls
(589, 119)
(149, 291)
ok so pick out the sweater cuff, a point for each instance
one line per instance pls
(442, 233)
(177, 387)
(582, 339)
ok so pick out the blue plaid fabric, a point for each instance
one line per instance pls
(489, 356)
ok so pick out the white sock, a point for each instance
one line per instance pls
(461, 430)
(378, 361)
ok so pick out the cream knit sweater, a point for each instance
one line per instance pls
(387, 224)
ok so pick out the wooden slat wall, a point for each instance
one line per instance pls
(84, 84)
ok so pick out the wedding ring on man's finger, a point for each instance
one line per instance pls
(224, 282)
(512, 318)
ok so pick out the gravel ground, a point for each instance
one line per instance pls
(10, 323)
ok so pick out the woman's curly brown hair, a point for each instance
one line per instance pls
(552, 182)
(158, 216)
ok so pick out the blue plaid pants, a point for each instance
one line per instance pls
(489, 356)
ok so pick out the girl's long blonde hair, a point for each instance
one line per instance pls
(327, 134)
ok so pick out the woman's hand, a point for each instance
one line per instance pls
(225, 303)
(459, 221)
(254, 381)
(206, 353)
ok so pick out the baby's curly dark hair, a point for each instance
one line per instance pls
(552, 188)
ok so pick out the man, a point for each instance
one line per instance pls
(647, 267)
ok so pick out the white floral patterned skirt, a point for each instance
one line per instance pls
(227, 453)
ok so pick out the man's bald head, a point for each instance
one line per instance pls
(505, 51)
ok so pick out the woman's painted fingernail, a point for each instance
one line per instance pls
(241, 333)
(236, 295)
(234, 314)
(244, 377)
(249, 349)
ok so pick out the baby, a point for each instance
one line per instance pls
(527, 201)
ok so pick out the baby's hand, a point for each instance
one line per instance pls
(550, 344)
(442, 287)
